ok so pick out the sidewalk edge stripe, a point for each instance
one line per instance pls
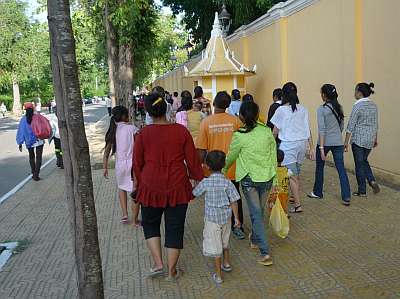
(22, 183)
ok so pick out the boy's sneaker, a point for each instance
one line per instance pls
(313, 195)
(239, 235)
(217, 280)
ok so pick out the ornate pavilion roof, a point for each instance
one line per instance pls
(217, 59)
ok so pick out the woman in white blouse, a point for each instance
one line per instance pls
(292, 126)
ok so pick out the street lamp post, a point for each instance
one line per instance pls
(225, 19)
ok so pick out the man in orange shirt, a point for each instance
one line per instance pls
(216, 133)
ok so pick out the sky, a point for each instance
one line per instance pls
(33, 5)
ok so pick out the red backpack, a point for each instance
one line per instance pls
(41, 127)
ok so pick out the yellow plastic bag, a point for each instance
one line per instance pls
(279, 220)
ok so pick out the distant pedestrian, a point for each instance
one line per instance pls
(54, 106)
(165, 160)
(108, 105)
(188, 117)
(234, 107)
(169, 114)
(57, 140)
(362, 133)
(32, 143)
(38, 107)
(176, 103)
(199, 97)
(3, 109)
(120, 141)
(254, 149)
(330, 119)
(277, 102)
(220, 200)
(292, 126)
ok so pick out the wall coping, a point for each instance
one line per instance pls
(278, 11)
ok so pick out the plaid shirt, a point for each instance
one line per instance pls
(220, 193)
(363, 123)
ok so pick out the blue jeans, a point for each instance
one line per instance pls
(337, 152)
(256, 197)
(363, 169)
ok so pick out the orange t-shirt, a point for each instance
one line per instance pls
(216, 133)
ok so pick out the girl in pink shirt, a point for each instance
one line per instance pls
(120, 142)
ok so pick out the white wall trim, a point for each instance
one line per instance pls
(235, 81)
(280, 10)
(214, 86)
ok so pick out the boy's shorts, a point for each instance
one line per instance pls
(215, 238)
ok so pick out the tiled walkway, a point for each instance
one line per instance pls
(332, 251)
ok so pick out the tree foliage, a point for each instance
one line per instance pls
(199, 14)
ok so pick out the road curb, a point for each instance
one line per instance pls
(23, 183)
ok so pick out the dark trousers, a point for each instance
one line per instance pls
(337, 152)
(363, 169)
(58, 150)
(240, 208)
(35, 160)
(109, 111)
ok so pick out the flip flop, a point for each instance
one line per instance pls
(226, 268)
(124, 220)
(173, 278)
(154, 272)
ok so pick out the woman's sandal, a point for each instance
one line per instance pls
(155, 272)
(226, 268)
(124, 220)
(297, 209)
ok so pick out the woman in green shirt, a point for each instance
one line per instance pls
(253, 148)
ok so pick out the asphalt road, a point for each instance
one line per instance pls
(14, 165)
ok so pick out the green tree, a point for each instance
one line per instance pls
(199, 14)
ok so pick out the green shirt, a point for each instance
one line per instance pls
(254, 153)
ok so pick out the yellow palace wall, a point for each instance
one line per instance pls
(312, 42)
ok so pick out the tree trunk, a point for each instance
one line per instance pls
(125, 75)
(112, 54)
(16, 109)
(78, 176)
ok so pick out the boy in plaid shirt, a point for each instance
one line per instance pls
(221, 199)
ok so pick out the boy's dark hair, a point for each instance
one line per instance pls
(236, 95)
(216, 160)
(277, 93)
(176, 94)
(222, 100)
(280, 156)
(155, 105)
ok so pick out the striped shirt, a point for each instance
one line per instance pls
(220, 193)
(363, 123)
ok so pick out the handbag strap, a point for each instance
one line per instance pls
(335, 114)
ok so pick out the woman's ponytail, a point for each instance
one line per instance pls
(119, 113)
(29, 115)
(289, 95)
(331, 94)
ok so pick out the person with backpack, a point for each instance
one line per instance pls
(330, 128)
(33, 144)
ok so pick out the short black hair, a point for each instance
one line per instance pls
(277, 93)
(216, 160)
(222, 100)
(175, 94)
(236, 94)
(280, 156)
(155, 105)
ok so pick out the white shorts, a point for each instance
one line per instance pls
(295, 151)
(215, 238)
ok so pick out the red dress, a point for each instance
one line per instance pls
(164, 159)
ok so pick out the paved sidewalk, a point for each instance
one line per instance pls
(332, 251)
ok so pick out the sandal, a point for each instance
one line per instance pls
(266, 261)
(226, 268)
(155, 272)
(217, 280)
(124, 220)
(297, 209)
(291, 200)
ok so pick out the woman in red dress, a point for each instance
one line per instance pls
(164, 161)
